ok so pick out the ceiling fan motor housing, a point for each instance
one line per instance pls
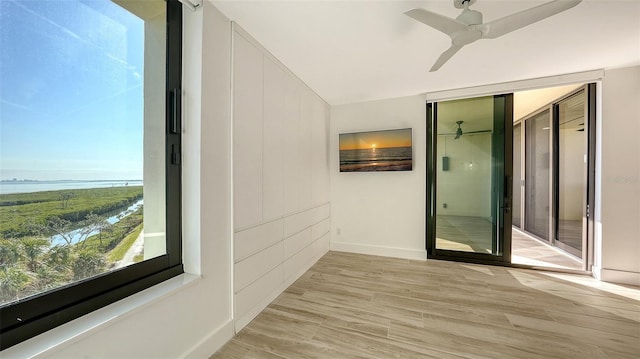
(470, 17)
(466, 37)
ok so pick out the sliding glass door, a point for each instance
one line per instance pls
(517, 176)
(469, 185)
(570, 143)
(537, 161)
(554, 173)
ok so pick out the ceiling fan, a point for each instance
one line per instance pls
(459, 131)
(468, 26)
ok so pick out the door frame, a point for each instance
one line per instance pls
(502, 238)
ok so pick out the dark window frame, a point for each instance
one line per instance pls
(26, 318)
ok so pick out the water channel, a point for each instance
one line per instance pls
(76, 235)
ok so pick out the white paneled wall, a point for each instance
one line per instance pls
(247, 133)
(273, 146)
(281, 177)
(291, 140)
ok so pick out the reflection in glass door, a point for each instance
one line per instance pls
(469, 199)
(537, 174)
(571, 169)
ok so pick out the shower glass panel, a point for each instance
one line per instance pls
(537, 174)
(572, 167)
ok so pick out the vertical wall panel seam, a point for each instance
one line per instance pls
(232, 174)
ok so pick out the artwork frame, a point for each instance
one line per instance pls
(376, 151)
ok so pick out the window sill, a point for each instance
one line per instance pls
(71, 332)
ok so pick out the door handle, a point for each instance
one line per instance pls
(507, 206)
(508, 192)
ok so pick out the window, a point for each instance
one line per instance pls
(90, 170)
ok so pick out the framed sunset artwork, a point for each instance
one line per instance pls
(388, 150)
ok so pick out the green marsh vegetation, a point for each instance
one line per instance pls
(87, 243)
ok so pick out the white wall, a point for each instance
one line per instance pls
(618, 218)
(380, 213)
(281, 178)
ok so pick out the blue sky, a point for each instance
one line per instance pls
(71, 90)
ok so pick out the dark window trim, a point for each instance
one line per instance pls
(31, 316)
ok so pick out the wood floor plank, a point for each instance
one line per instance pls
(620, 342)
(532, 340)
(358, 306)
(234, 349)
(376, 346)
(271, 322)
(457, 344)
(291, 348)
(619, 325)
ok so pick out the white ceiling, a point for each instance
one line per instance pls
(352, 51)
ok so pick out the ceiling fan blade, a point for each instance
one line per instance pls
(439, 22)
(445, 56)
(507, 24)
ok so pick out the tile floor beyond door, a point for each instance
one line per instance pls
(473, 234)
(359, 306)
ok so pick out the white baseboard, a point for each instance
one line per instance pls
(618, 276)
(379, 250)
(212, 342)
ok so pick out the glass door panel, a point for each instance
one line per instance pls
(468, 200)
(517, 175)
(571, 169)
(537, 174)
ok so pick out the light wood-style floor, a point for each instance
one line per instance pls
(359, 306)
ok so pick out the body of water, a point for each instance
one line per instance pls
(76, 235)
(376, 159)
(7, 187)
